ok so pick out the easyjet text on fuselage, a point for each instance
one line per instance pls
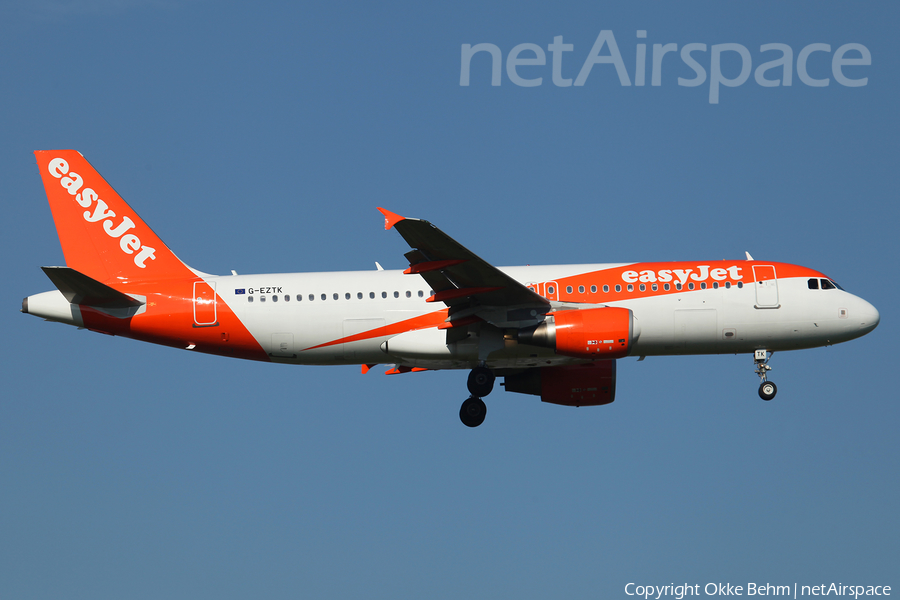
(682, 276)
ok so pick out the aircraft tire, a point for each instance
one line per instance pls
(767, 390)
(472, 412)
(481, 382)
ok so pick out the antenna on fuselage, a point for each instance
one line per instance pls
(379, 267)
(748, 255)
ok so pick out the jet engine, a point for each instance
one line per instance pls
(591, 384)
(592, 333)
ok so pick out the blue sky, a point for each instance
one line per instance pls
(262, 138)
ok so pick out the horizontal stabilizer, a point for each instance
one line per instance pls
(78, 288)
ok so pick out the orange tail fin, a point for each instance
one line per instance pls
(101, 236)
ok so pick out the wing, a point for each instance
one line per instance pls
(472, 288)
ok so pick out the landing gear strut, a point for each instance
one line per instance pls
(473, 410)
(767, 389)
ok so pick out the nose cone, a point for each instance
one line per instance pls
(867, 316)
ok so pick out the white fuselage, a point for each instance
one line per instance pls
(293, 315)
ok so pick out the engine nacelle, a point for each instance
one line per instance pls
(590, 384)
(593, 333)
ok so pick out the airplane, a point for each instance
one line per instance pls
(550, 331)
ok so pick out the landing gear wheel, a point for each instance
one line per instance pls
(481, 381)
(472, 412)
(767, 390)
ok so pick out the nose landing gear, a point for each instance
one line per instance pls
(473, 410)
(767, 389)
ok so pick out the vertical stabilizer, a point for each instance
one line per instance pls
(101, 236)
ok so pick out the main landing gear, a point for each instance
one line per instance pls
(767, 389)
(473, 410)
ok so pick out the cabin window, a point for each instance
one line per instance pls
(654, 286)
(703, 286)
(249, 298)
(727, 285)
(666, 286)
(568, 289)
(359, 295)
(274, 298)
(618, 288)
(408, 294)
(740, 284)
(262, 298)
(371, 295)
(715, 285)
(384, 294)
(643, 288)
(580, 289)
(347, 296)
(421, 293)
(396, 294)
(593, 289)
(324, 296)
(605, 289)
(678, 286)
(551, 289)
(630, 288)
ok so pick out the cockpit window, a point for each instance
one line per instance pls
(813, 284)
(827, 285)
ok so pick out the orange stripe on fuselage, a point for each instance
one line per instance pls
(660, 273)
(425, 321)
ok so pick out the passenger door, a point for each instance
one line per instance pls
(766, 285)
(204, 303)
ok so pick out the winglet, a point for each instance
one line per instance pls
(390, 219)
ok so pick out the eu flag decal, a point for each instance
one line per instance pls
(240, 291)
